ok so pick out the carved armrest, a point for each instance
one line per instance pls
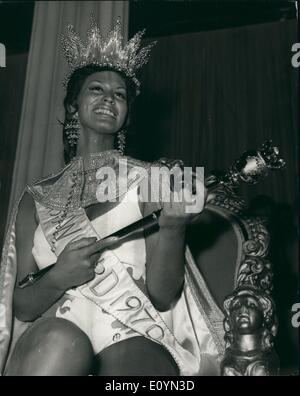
(230, 249)
(250, 320)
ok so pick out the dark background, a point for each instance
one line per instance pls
(236, 88)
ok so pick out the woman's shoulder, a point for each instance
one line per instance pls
(47, 181)
(144, 164)
(143, 167)
(36, 192)
(135, 162)
(44, 187)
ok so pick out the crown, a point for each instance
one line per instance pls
(105, 51)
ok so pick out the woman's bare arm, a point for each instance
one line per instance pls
(165, 250)
(32, 301)
(165, 266)
(165, 259)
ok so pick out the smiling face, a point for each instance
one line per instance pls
(246, 315)
(102, 103)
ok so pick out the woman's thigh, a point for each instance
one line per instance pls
(51, 346)
(136, 356)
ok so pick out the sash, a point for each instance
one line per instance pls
(114, 290)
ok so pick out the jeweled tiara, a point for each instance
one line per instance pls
(105, 51)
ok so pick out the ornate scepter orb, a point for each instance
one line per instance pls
(254, 165)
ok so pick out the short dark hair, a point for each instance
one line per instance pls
(74, 86)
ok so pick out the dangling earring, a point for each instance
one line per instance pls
(121, 138)
(72, 130)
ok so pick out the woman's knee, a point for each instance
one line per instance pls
(60, 332)
(52, 347)
(136, 356)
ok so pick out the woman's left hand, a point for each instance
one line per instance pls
(180, 204)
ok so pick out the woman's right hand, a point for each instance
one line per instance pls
(76, 263)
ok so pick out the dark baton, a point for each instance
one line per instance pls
(146, 223)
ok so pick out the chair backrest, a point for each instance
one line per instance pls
(216, 244)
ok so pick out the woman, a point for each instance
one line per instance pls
(105, 305)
